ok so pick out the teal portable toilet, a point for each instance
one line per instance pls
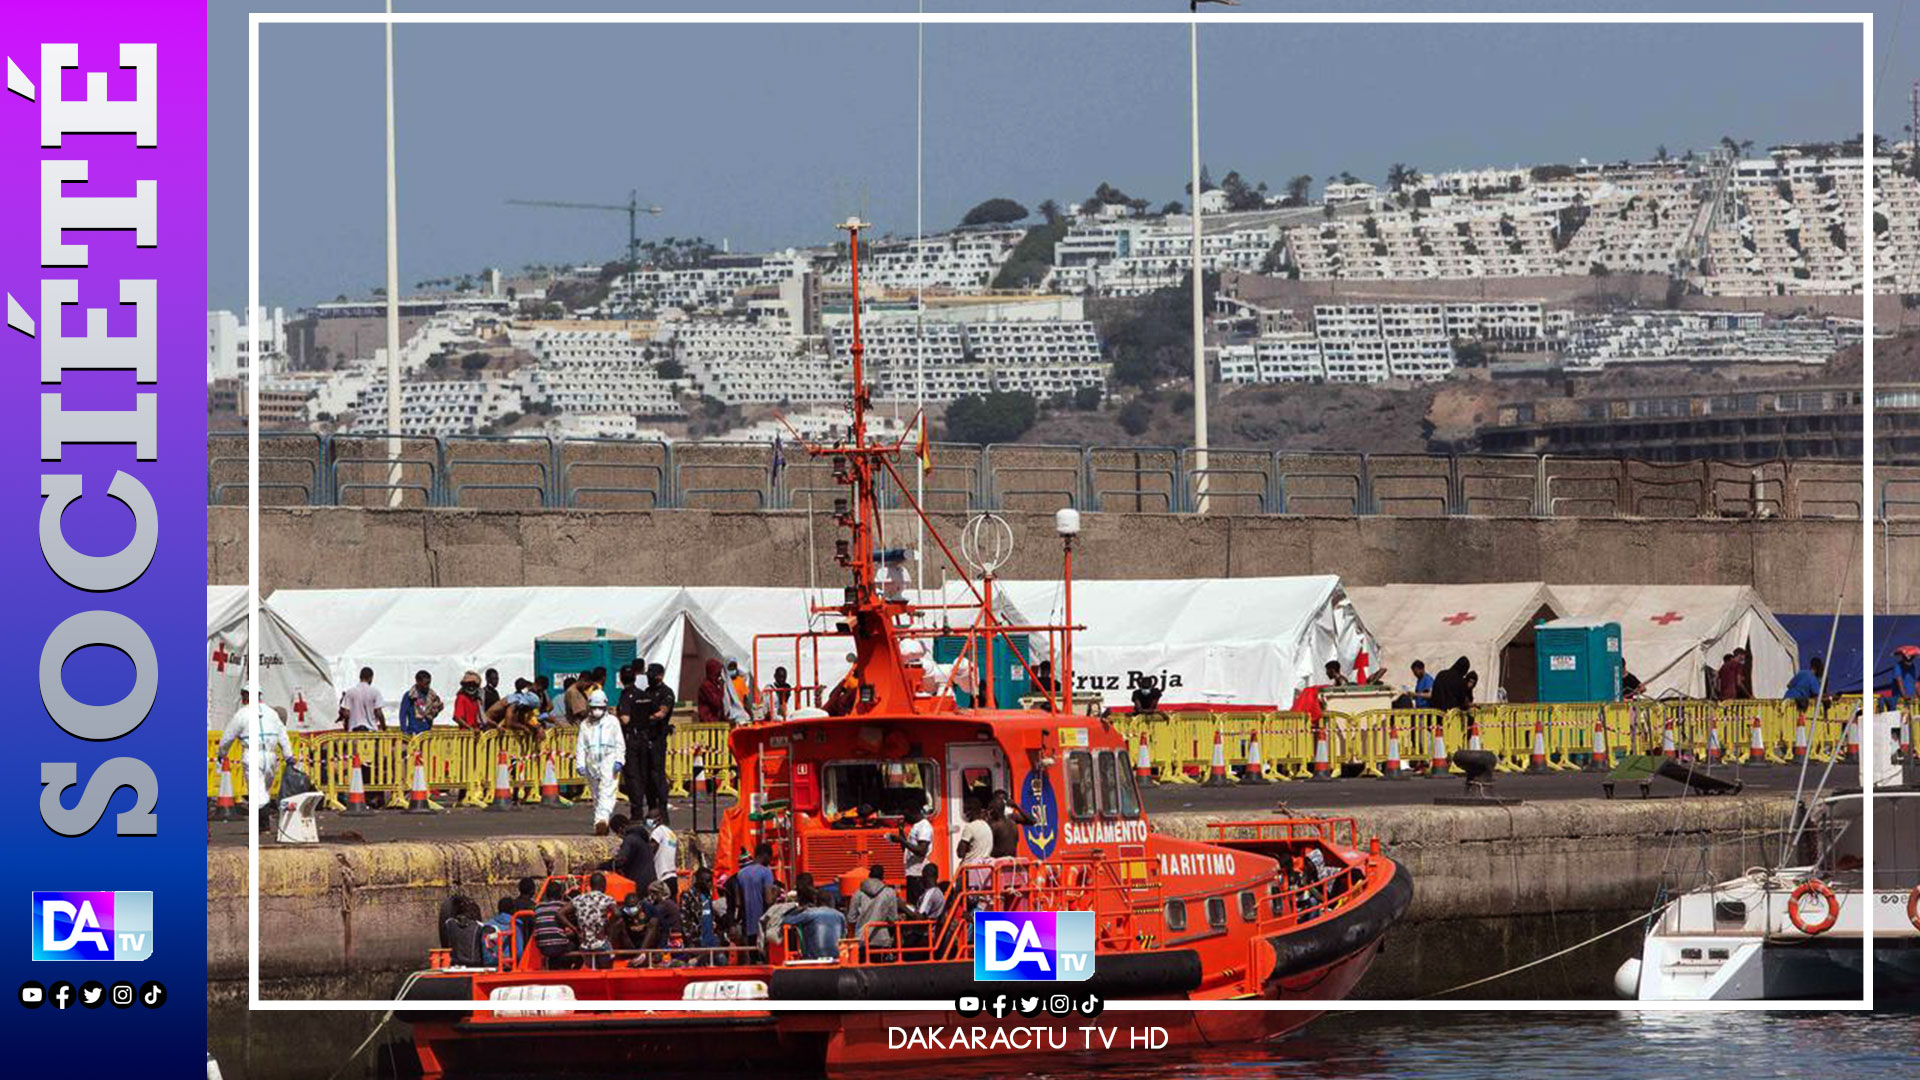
(1010, 682)
(1579, 660)
(565, 653)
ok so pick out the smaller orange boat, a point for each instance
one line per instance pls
(1282, 910)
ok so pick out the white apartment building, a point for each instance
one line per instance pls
(1133, 258)
(1034, 357)
(227, 355)
(439, 406)
(598, 371)
(1359, 191)
(711, 286)
(965, 261)
(1703, 337)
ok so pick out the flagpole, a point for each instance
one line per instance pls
(920, 300)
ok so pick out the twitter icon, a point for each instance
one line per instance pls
(92, 994)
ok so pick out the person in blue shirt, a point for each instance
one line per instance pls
(419, 705)
(1422, 685)
(503, 931)
(1906, 673)
(754, 888)
(1805, 686)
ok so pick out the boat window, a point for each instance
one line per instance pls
(890, 787)
(1249, 906)
(1109, 784)
(1176, 916)
(1217, 912)
(1080, 784)
(1129, 795)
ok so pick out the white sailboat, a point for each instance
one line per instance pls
(1796, 932)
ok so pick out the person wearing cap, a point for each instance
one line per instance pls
(466, 702)
(598, 754)
(655, 722)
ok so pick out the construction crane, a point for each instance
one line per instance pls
(633, 209)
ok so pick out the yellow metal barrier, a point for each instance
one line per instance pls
(328, 759)
(711, 741)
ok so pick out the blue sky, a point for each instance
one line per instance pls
(766, 135)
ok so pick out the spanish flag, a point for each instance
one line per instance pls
(926, 448)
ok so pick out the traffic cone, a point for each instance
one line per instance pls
(1217, 772)
(1255, 771)
(1667, 748)
(356, 790)
(1437, 767)
(1143, 762)
(502, 786)
(1757, 745)
(550, 785)
(1537, 757)
(1801, 737)
(1395, 769)
(1601, 760)
(1906, 737)
(1321, 768)
(1852, 738)
(418, 801)
(697, 776)
(223, 803)
(1713, 743)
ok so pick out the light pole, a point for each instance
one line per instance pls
(393, 292)
(1200, 501)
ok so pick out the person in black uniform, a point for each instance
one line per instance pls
(629, 709)
(655, 722)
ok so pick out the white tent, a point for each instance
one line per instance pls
(745, 613)
(1248, 641)
(294, 676)
(1672, 634)
(1490, 625)
(446, 632)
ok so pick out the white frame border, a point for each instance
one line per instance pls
(256, 19)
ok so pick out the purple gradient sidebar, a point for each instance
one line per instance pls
(168, 1039)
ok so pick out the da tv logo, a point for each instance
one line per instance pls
(92, 925)
(1033, 946)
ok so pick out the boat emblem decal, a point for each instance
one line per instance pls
(1042, 809)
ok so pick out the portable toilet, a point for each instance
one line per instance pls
(1010, 659)
(1579, 660)
(564, 653)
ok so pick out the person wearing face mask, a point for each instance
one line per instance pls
(599, 754)
(467, 709)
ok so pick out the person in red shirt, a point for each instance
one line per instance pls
(466, 703)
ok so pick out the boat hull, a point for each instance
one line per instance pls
(813, 1043)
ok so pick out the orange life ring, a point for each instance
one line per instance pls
(1913, 906)
(1826, 894)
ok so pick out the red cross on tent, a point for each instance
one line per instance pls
(220, 656)
(299, 709)
(1458, 617)
(1667, 619)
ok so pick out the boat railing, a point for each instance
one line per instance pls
(1336, 832)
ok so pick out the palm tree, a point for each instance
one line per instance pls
(1298, 189)
(1401, 175)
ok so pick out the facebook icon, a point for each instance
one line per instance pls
(1033, 946)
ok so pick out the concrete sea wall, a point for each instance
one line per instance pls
(1794, 565)
(1493, 887)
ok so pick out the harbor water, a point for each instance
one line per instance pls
(1339, 1046)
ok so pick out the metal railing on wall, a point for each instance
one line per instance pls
(540, 472)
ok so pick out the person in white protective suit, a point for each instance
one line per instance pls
(263, 761)
(599, 754)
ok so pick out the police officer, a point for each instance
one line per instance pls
(654, 721)
(631, 709)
